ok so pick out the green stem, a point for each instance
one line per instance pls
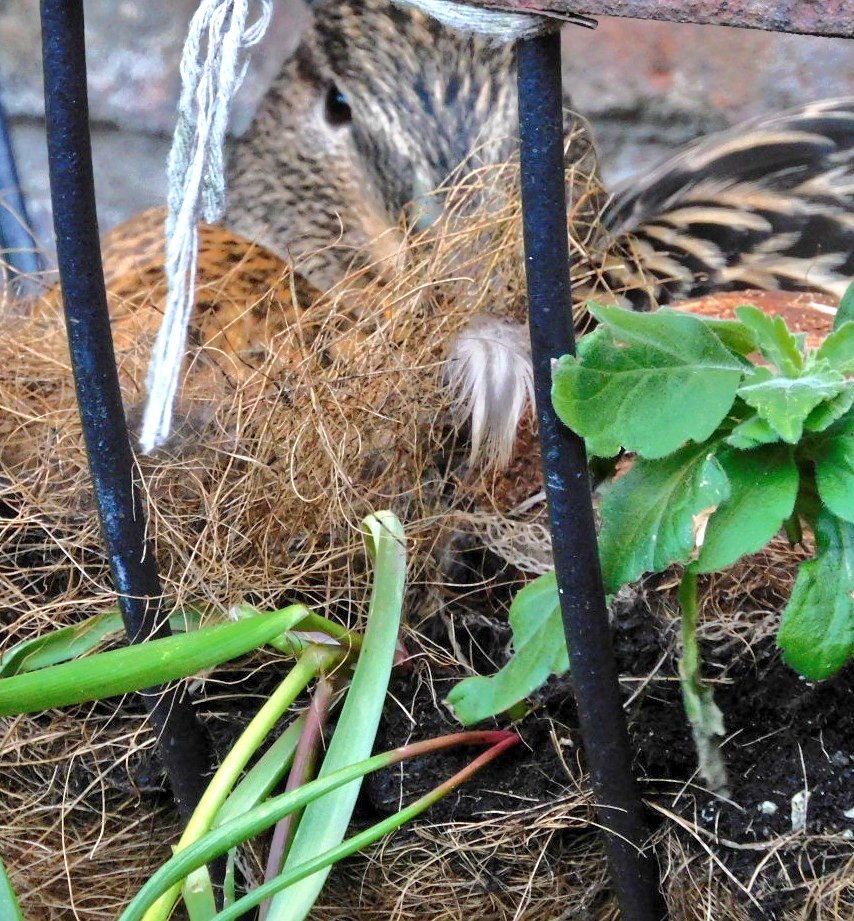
(199, 895)
(146, 665)
(10, 910)
(66, 643)
(326, 820)
(301, 771)
(689, 665)
(322, 624)
(260, 781)
(707, 723)
(256, 786)
(310, 622)
(363, 839)
(793, 529)
(313, 660)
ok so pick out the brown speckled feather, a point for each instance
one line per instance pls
(767, 205)
(243, 291)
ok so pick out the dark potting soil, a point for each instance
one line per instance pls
(785, 736)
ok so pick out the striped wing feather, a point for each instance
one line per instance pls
(767, 205)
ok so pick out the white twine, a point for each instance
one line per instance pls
(196, 175)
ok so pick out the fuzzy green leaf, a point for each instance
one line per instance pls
(653, 515)
(838, 348)
(763, 488)
(825, 414)
(786, 402)
(752, 433)
(834, 468)
(817, 630)
(646, 382)
(773, 339)
(734, 335)
(539, 650)
(846, 308)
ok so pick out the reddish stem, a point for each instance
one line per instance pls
(508, 740)
(301, 770)
(470, 737)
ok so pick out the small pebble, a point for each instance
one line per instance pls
(767, 808)
(839, 759)
(800, 801)
(849, 813)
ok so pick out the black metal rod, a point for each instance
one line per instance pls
(602, 722)
(183, 743)
(19, 248)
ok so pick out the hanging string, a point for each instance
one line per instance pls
(213, 65)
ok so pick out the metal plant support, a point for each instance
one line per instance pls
(585, 617)
(17, 246)
(182, 742)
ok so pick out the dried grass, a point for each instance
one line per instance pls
(280, 452)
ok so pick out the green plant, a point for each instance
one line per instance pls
(43, 673)
(539, 650)
(9, 908)
(727, 452)
(133, 668)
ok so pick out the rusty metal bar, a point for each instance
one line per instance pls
(807, 17)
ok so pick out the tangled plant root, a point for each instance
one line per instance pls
(300, 413)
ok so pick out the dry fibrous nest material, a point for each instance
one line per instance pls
(300, 413)
(79, 834)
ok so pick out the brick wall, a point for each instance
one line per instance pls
(133, 49)
(647, 87)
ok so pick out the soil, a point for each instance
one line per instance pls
(786, 735)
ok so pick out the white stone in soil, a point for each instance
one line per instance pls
(800, 802)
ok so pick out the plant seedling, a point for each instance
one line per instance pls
(9, 908)
(44, 673)
(738, 431)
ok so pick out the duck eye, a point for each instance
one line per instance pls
(337, 108)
